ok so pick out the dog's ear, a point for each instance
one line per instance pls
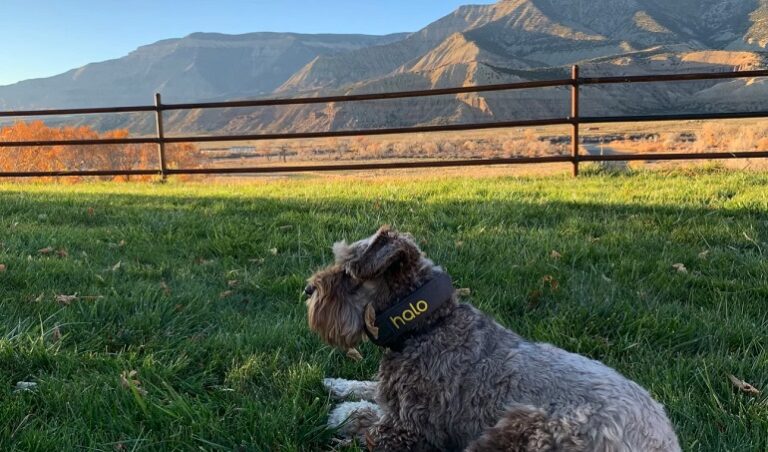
(342, 252)
(381, 252)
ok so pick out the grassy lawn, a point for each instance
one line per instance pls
(197, 289)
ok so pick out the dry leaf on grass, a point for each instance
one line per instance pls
(459, 244)
(704, 254)
(555, 255)
(48, 250)
(3, 268)
(273, 251)
(554, 284)
(66, 300)
(464, 292)
(226, 294)
(233, 283)
(165, 288)
(91, 211)
(354, 355)
(743, 386)
(117, 266)
(680, 268)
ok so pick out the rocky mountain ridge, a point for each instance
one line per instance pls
(200, 66)
(512, 40)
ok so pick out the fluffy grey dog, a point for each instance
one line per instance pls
(451, 378)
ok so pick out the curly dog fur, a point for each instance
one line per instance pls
(466, 382)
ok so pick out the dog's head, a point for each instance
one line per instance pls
(371, 273)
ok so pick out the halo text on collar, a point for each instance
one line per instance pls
(408, 314)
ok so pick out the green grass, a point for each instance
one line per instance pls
(242, 371)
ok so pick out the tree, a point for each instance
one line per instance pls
(82, 157)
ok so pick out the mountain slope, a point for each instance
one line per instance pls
(337, 70)
(550, 33)
(197, 67)
(512, 40)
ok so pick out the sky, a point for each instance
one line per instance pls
(40, 38)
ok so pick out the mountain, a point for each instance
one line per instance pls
(518, 40)
(512, 40)
(336, 70)
(550, 33)
(200, 66)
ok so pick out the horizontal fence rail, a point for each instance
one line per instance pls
(575, 119)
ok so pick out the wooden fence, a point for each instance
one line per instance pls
(575, 120)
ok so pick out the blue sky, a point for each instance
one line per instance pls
(39, 38)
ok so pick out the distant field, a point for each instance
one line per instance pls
(197, 287)
(684, 137)
(649, 138)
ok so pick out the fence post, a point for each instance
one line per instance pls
(575, 119)
(160, 135)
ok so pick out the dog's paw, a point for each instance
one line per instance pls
(341, 389)
(353, 419)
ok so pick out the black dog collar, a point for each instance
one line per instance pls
(406, 316)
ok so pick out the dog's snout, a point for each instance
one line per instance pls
(309, 290)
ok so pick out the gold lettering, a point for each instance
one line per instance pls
(410, 314)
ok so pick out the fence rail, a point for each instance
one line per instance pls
(575, 119)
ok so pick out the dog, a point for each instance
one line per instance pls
(453, 379)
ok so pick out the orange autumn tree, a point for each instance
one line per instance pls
(81, 157)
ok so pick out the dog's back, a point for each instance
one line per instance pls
(471, 378)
